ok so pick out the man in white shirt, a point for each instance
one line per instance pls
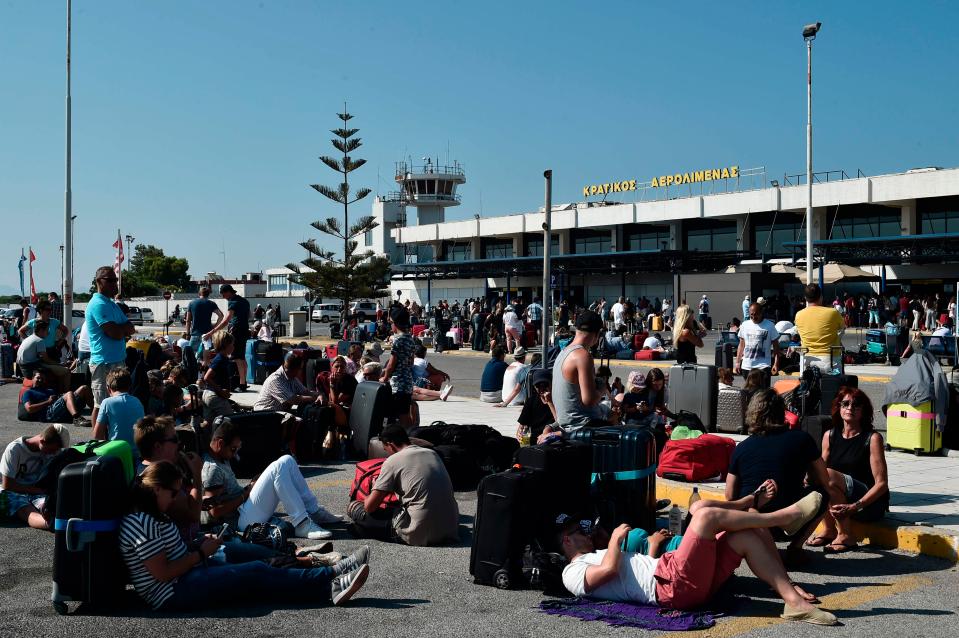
(719, 536)
(618, 312)
(758, 346)
(654, 342)
(514, 380)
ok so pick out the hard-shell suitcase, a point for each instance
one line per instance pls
(567, 468)
(731, 411)
(312, 368)
(725, 353)
(529, 338)
(624, 474)
(829, 385)
(639, 339)
(504, 525)
(87, 565)
(262, 436)
(7, 358)
(816, 425)
(267, 357)
(693, 388)
(250, 357)
(913, 428)
(307, 443)
(625, 355)
(646, 355)
(371, 404)
(657, 323)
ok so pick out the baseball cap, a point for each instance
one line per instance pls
(64, 434)
(226, 288)
(589, 321)
(541, 375)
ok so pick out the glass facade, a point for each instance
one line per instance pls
(939, 215)
(276, 283)
(497, 248)
(715, 237)
(857, 224)
(457, 252)
(592, 241)
(534, 246)
(647, 238)
(769, 239)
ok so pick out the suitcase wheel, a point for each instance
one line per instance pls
(60, 607)
(888, 448)
(917, 451)
(501, 579)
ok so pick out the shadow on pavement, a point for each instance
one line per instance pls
(870, 561)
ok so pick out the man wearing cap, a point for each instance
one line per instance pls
(514, 380)
(107, 328)
(237, 322)
(719, 537)
(23, 465)
(399, 369)
(575, 394)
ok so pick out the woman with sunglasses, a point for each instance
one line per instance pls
(856, 462)
(167, 575)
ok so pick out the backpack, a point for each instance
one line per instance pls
(364, 478)
(274, 534)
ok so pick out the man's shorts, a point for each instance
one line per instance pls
(240, 336)
(690, 576)
(13, 502)
(98, 380)
(400, 403)
(58, 412)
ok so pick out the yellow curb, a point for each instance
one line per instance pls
(914, 539)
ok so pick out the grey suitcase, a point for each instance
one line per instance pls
(694, 388)
(731, 411)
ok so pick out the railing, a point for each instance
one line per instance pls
(407, 198)
(404, 169)
(821, 177)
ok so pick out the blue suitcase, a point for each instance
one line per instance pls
(624, 474)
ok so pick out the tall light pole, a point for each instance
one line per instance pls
(809, 34)
(547, 237)
(130, 239)
(68, 196)
(61, 273)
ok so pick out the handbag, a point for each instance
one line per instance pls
(274, 534)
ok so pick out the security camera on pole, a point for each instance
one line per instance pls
(809, 34)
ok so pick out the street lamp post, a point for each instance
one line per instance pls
(547, 240)
(67, 278)
(130, 239)
(61, 273)
(809, 34)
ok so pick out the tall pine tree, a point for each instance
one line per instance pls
(355, 275)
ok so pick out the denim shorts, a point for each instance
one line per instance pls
(58, 412)
(13, 502)
(855, 490)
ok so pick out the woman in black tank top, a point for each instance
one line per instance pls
(686, 336)
(856, 461)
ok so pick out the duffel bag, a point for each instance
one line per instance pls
(698, 459)
(363, 480)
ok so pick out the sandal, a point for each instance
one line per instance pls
(812, 599)
(820, 541)
(839, 548)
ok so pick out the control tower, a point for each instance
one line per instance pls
(430, 188)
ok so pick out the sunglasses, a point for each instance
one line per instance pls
(171, 439)
(850, 404)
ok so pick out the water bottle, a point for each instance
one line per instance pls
(524, 436)
(693, 497)
(675, 521)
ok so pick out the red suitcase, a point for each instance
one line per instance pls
(331, 351)
(529, 339)
(639, 339)
(646, 355)
(418, 329)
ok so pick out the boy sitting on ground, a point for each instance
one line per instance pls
(720, 535)
(23, 465)
(119, 412)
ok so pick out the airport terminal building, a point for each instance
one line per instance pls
(717, 230)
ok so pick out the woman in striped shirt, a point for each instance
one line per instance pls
(169, 576)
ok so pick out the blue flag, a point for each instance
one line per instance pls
(23, 258)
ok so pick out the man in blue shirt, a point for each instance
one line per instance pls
(108, 329)
(237, 323)
(491, 383)
(119, 412)
(199, 321)
(43, 403)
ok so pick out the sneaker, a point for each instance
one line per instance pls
(322, 548)
(345, 586)
(359, 557)
(328, 559)
(445, 392)
(323, 516)
(309, 529)
(81, 421)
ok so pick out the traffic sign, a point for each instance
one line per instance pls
(167, 295)
(308, 296)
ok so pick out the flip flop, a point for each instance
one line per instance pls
(839, 548)
(820, 541)
(812, 599)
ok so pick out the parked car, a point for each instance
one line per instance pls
(147, 315)
(364, 310)
(135, 315)
(78, 318)
(326, 312)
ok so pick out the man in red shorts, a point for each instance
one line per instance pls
(720, 535)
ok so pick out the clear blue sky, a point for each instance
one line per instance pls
(197, 123)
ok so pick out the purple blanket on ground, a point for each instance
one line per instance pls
(628, 614)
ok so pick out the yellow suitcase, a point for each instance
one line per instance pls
(913, 428)
(657, 323)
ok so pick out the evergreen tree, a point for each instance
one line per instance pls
(357, 274)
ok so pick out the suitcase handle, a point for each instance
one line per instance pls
(625, 475)
(79, 532)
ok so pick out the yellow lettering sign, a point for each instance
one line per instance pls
(707, 175)
(654, 183)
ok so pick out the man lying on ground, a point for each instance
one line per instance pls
(43, 403)
(719, 536)
(23, 465)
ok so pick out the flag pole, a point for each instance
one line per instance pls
(68, 196)
(119, 266)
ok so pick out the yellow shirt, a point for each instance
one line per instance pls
(819, 328)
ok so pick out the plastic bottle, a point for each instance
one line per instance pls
(693, 497)
(524, 436)
(675, 520)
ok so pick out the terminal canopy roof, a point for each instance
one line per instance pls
(612, 263)
(910, 249)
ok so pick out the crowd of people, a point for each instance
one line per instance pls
(781, 482)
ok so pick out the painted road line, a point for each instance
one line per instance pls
(846, 600)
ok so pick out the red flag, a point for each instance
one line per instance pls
(33, 289)
(118, 262)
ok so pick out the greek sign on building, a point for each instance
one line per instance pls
(691, 177)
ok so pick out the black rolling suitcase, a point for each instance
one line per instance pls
(829, 385)
(314, 367)
(725, 353)
(371, 405)
(267, 357)
(307, 444)
(567, 468)
(92, 498)
(624, 474)
(262, 437)
(816, 425)
(505, 524)
(693, 388)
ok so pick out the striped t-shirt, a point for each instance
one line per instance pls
(142, 537)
